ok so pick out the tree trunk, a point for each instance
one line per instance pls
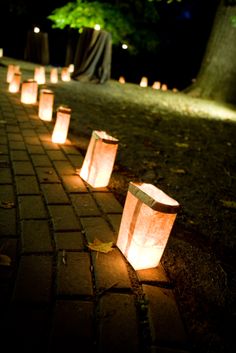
(217, 76)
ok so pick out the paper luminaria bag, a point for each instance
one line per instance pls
(144, 82)
(39, 75)
(147, 220)
(99, 159)
(65, 74)
(54, 75)
(46, 99)
(11, 70)
(61, 127)
(14, 85)
(29, 91)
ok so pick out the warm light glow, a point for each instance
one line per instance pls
(71, 68)
(36, 29)
(65, 74)
(46, 100)
(29, 92)
(124, 46)
(11, 70)
(146, 223)
(164, 87)
(144, 82)
(54, 75)
(97, 27)
(156, 85)
(99, 160)
(14, 85)
(122, 79)
(1, 52)
(62, 125)
(39, 75)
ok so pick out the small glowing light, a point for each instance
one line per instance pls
(164, 87)
(54, 75)
(11, 70)
(65, 74)
(156, 85)
(1, 52)
(61, 127)
(122, 79)
(124, 46)
(144, 82)
(97, 27)
(14, 85)
(39, 75)
(29, 92)
(71, 68)
(36, 29)
(46, 100)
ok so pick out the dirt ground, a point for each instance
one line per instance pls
(186, 147)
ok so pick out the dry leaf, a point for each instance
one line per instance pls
(5, 260)
(98, 245)
(178, 171)
(229, 204)
(181, 145)
(7, 204)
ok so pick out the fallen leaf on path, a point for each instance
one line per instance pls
(7, 204)
(229, 204)
(5, 260)
(98, 245)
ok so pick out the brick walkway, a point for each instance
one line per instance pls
(57, 295)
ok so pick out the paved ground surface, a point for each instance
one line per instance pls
(57, 295)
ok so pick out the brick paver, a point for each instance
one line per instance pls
(118, 330)
(74, 274)
(78, 333)
(60, 295)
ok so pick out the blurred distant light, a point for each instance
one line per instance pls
(71, 68)
(156, 85)
(65, 74)
(144, 82)
(122, 79)
(124, 46)
(164, 87)
(36, 29)
(97, 27)
(1, 52)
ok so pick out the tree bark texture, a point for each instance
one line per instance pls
(217, 76)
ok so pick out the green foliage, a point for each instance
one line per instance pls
(233, 20)
(168, 1)
(132, 22)
(81, 14)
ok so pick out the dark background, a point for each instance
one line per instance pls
(182, 31)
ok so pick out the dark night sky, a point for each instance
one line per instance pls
(183, 31)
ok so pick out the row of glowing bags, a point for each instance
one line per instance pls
(39, 74)
(148, 214)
